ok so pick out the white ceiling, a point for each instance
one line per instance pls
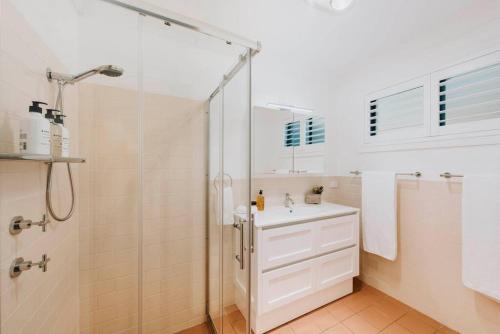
(302, 44)
(296, 35)
(303, 47)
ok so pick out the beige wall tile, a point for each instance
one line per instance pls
(173, 209)
(427, 272)
(35, 302)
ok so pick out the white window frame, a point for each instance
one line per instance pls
(404, 133)
(484, 126)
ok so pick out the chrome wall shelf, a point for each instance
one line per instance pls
(39, 157)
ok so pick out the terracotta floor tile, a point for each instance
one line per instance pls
(234, 317)
(358, 302)
(395, 329)
(365, 311)
(446, 330)
(239, 326)
(391, 308)
(323, 319)
(230, 309)
(429, 321)
(338, 329)
(415, 324)
(285, 329)
(359, 326)
(339, 311)
(227, 328)
(375, 317)
(372, 290)
(305, 325)
(200, 329)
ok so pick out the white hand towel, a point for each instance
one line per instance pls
(228, 206)
(379, 210)
(481, 234)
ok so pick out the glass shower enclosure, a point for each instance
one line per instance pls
(162, 220)
(229, 232)
(190, 115)
(187, 167)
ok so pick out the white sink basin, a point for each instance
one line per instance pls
(277, 215)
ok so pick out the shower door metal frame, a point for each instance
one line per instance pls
(169, 17)
(243, 59)
(253, 47)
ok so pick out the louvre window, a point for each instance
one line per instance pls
(470, 97)
(292, 134)
(315, 130)
(397, 112)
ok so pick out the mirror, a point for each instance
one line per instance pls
(287, 142)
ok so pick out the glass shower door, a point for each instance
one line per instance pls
(229, 203)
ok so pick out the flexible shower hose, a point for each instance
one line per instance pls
(48, 195)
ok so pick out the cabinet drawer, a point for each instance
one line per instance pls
(336, 233)
(287, 244)
(285, 285)
(336, 267)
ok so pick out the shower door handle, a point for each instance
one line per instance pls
(252, 232)
(239, 257)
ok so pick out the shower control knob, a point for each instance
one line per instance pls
(18, 224)
(19, 265)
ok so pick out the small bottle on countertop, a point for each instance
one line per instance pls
(260, 201)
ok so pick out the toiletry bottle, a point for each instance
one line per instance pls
(34, 132)
(260, 201)
(54, 132)
(64, 135)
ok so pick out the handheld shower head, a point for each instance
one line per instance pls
(107, 70)
(111, 70)
(64, 79)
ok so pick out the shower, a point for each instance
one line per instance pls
(62, 81)
(107, 70)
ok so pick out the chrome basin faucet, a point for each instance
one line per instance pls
(288, 201)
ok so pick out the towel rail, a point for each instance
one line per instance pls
(448, 175)
(416, 174)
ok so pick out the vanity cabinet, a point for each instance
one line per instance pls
(300, 266)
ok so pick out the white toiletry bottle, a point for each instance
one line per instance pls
(64, 135)
(34, 134)
(55, 133)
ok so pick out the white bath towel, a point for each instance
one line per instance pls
(379, 211)
(228, 206)
(481, 234)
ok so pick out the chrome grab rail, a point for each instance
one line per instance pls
(448, 175)
(416, 174)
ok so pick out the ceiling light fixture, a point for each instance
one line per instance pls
(284, 107)
(332, 5)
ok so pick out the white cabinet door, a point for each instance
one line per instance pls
(336, 267)
(287, 244)
(336, 233)
(285, 285)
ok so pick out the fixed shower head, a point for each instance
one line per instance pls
(107, 70)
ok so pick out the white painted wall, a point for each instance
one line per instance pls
(56, 22)
(381, 72)
(328, 62)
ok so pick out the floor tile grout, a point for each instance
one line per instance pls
(374, 300)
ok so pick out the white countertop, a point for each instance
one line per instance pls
(280, 215)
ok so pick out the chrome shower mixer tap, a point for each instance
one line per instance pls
(19, 265)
